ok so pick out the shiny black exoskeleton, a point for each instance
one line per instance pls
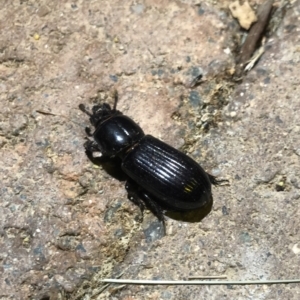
(159, 176)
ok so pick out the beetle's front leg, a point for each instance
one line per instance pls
(91, 146)
(88, 131)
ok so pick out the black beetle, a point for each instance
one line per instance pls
(159, 176)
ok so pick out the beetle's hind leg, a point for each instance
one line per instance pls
(141, 198)
(133, 196)
(156, 210)
(213, 180)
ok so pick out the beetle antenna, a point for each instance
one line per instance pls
(116, 97)
(46, 113)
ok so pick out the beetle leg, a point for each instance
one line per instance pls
(133, 196)
(141, 198)
(213, 180)
(155, 208)
(91, 146)
(88, 131)
(83, 109)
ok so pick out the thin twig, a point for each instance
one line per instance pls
(255, 34)
(198, 282)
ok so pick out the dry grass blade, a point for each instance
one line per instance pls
(199, 282)
(208, 277)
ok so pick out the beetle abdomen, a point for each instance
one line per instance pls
(168, 174)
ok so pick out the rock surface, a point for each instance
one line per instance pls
(65, 223)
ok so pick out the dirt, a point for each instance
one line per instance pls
(66, 223)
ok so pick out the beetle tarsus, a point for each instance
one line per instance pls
(88, 131)
(83, 109)
(213, 180)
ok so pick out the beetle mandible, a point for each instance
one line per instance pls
(159, 176)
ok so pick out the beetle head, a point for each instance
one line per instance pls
(101, 112)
